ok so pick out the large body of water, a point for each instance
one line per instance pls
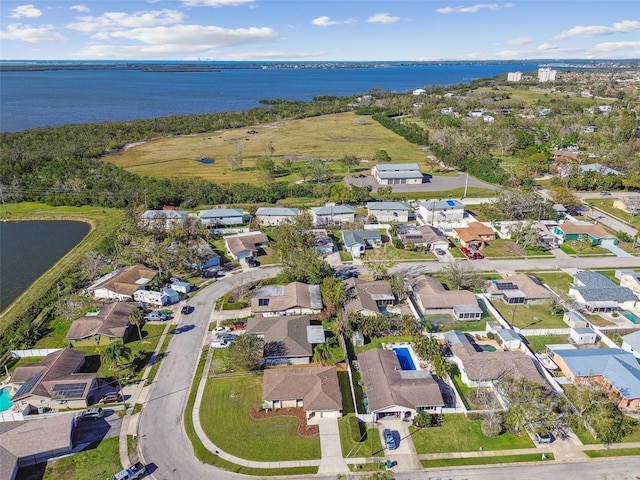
(28, 249)
(31, 99)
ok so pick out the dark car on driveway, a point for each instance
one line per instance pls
(389, 439)
(186, 310)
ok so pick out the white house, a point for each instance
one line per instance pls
(152, 297)
(332, 214)
(162, 218)
(599, 294)
(276, 215)
(631, 343)
(435, 211)
(397, 174)
(388, 211)
(122, 284)
(510, 339)
(583, 336)
(181, 287)
(220, 217)
(245, 245)
(357, 241)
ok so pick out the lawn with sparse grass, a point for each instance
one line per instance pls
(225, 419)
(457, 434)
(606, 205)
(530, 316)
(99, 460)
(503, 248)
(597, 320)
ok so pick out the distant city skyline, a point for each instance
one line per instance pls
(328, 30)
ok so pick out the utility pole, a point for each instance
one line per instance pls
(466, 184)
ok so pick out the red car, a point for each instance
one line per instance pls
(239, 326)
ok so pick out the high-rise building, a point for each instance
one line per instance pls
(514, 76)
(546, 75)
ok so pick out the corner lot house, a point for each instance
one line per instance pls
(432, 298)
(121, 284)
(435, 211)
(385, 212)
(164, 219)
(394, 392)
(221, 217)
(292, 299)
(599, 294)
(110, 324)
(518, 289)
(286, 341)
(616, 369)
(425, 236)
(276, 215)
(53, 383)
(586, 232)
(357, 241)
(333, 214)
(397, 174)
(245, 245)
(367, 298)
(315, 389)
(475, 236)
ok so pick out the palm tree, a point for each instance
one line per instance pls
(115, 354)
(322, 354)
(136, 317)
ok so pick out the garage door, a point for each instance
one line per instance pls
(607, 242)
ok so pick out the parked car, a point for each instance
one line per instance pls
(440, 251)
(389, 440)
(239, 326)
(226, 337)
(186, 310)
(605, 194)
(112, 397)
(220, 344)
(156, 316)
(89, 414)
(544, 438)
(137, 470)
(251, 262)
(219, 330)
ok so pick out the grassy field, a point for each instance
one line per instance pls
(100, 460)
(539, 343)
(490, 460)
(558, 281)
(103, 220)
(502, 248)
(327, 137)
(225, 419)
(529, 316)
(457, 434)
(612, 452)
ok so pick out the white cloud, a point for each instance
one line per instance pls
(79, 8)
(122, 20)
(324, 21)
(520, 41)
(382, 18)
(475, 8)
(614, 46)
(545, 47)
(598, 30)
(271, 55)
(215, 3)
(26, 33)
(25, 11)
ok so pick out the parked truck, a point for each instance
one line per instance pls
(134, 471)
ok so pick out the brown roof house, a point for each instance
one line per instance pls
(245, 245)
(367, 298)
(432, 298)
(295, 298)
(518, 289)
(121, 284)
(476, 235)
(483, 368)
(315, 389)
(392, 391)
(110, 324)
(55, 383)
(286, 339)
(425, 236)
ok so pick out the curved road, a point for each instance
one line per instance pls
(164, 446)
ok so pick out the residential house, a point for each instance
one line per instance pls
(479, 368)
(203, 256)
(245, 245)
(276, 215)
(164, 219)
(357, 241)
(294, 298)
(432, 298)
(368, 298)
(435, 211)
(425, 236)
(221, 217)
(559, 210)
(574, 319)
(618, 370)
(583, 336)
(629, 279)
(164, 296)
(322, 242)
(181, 287)
(509, 339)
(286, 341)
(518, 289)
(332, 214)
(110, 324)
(315, 389)
(397, 174)
(393, 392)
(601, 169)
(628, 204)
(597, 293)
(475, 236)
(121, 284)
(631, 343)
(584, 232)
(55, 382)
(386, 212)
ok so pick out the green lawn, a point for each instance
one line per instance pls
(606, 205)
(529, 316)
(376, 342)
(463, 390)
(597, 320)
(369, 446)
(503, 248)
(583, 248)
(457, 434)
(539, 343)
(452, 462)
(558, 281)
(224, 415)
(99, 460)
(612, 452)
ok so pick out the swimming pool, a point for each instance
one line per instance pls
(405, 358)
(5, 399)
(630, 316)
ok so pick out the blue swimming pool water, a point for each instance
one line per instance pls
(630, 316)
(5, 399)
(404, 357)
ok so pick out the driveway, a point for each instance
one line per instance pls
(404, 456)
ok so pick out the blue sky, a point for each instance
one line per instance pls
(309, 30)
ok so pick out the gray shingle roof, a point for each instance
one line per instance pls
(387, 206)
(277, 211)
(392, 167)
(598, 288)
(354, 237)
(333, 210)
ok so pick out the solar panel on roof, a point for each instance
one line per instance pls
(506, 286)
(413, 237)
(27, 386)
(73, 390)
(451, 203)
